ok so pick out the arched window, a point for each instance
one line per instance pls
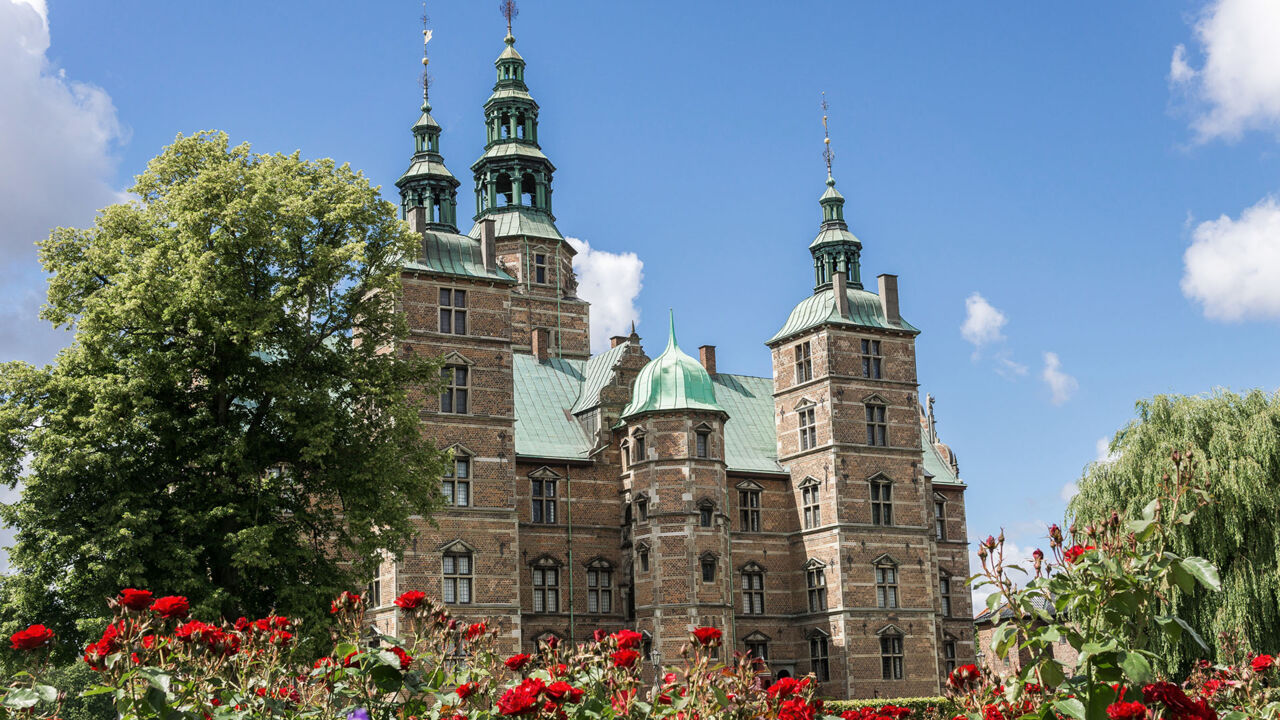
(599, 587)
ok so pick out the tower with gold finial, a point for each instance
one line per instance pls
(836, 251)
(428, 191)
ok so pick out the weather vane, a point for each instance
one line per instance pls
(826, 150)
(509, 11)
(426, 38)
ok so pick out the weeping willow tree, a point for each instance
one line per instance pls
(1237, 441)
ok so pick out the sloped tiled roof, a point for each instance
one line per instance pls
(934, 464)
(750, 439)
(520, 221)
(544, 392)
(599, 373)
(453, 254)
(820, 309)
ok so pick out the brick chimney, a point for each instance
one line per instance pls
(489, 244)
(889, 298)
(541, 344)
(707, 355)
(617, 340)
(840, 289)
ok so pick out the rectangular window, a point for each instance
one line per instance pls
(544, 501)
(818, 658)
(939, 520)
(708, 569)
(700, 444)
(457, 482)
(812, 510)
(749, 510)
(642, 509)
(457, 579)
(540, 269)
(891, 657)
(626, 456)
(877, 429)
(644, 560)
(599, 589)
(808, 428)
(881, 503)
(887, 586)
(944, 591)
(705, 516)
(640, 455)
(373, 595)
(752, 593)
(546, 590)
(871, 359)
(949, 654)
(804, 363)
(453, 311)
(817, 581)
(758, 649)
(454, 397)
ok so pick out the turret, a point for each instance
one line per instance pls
(428, 191)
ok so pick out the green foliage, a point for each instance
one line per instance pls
(226, 424)
(73, 679)
(1237, 437)
(922, 706)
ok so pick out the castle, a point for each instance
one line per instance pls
(813, 516)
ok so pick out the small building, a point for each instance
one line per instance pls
(984, 626)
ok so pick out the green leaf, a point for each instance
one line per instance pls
(1192, 632)
(1182, 578)
(21, 698)
(98, 690)
(1051, 674)
(1142, 529)
(1234, 715)
(1071, 708)
(1136, 668)
(1149, 512)
(1203, 571)
(386, 678)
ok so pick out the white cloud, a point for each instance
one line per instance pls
(1103, 447)
(1238, 88)
(982, 322)
(56, 163)
(1232, 266)
(1060, 384)
(1008, 367)
(1068, 491)
(1014, 554)
(611, 282)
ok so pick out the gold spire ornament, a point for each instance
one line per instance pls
(509, 11)
(426, 79)
(826, 132)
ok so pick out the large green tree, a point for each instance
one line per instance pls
(1236, 441)
(227, 423)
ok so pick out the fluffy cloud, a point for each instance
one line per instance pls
(1061, 385)
(55, 167)
(1068, 491)
(982, 322)
(611, 282)
(1103, 447)
(1232, 265)
(1238, 88)
(1014, 554)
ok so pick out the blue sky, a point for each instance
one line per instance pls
(1059, 162)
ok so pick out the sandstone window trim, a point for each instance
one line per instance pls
(752, 589)
(453, 311)
(886, 573)
(757, 645)
(807, 424)
(749, 495)
(642, 556)
(804, 362)
(642, 508)
(543, 498)
(939, 516)
(599, 587)
(706, 513)
(626, 454)
(945, 592)
(638, 441)
(455, 396)
(546, 585)
(816, 584)
(702, 441)
(457, 568)
(540, 269)
(949, 655)
(819, 655)
(872, 359)
(709, 566)
(877, 424)
(456, 483)
(880, 488)
(892, 657)
(810, 503)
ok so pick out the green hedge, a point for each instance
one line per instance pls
(917, 704)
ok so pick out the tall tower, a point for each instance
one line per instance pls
(675, 474)
(848, 430)
(513, 188)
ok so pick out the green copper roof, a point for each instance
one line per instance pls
(512, 149)
(750, 439)
(452, 254)
(935, 465)
(831, 192)
(599, 373)
(832, 234)
(543, 394)
(513, 221)
(672, 381)
(425, 121)
(820, 309)
(510, 93)
(424, 164)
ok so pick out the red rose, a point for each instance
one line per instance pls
(516, 662)
(405, 658)
(1127, 711)
(1074, 552)
(522, 699)
(134, 599)
(33, 637)
(190, 631)
(562, 692)
(411, 600)
(627, 639)
(552, 642)
(243, 624)
(707, 636)
(963, 676)
(95, 654)
(173, 607)
(323, 662)
(796, 709)
(625, 658)
(1262, 663)
(475, 631)
(784, 688)
(347, 601)
(599, 635)
(1179, 705)
(349, 660)
(466, 690)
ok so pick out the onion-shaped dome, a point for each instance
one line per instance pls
(672, 381)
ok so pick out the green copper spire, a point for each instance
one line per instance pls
(835, 250)
(428, 186)
(672, 381)
(513, 175)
